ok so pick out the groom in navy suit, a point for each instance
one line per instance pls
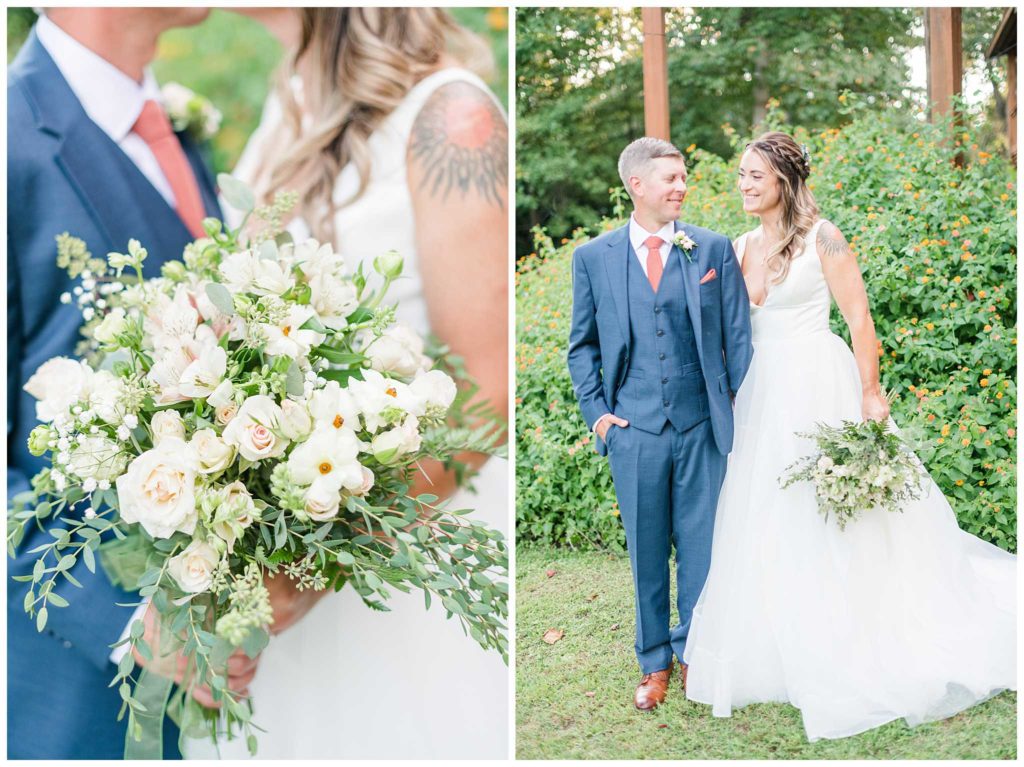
(659, 344)
(90, 152)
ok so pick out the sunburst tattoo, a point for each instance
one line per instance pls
(831, 241)
(460, 140)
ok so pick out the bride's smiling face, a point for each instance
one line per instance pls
(758, 184)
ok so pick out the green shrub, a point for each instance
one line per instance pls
(937, 246)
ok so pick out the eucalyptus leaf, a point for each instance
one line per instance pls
(235, 193)
(220, 296)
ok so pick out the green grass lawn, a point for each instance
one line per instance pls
(574, 697)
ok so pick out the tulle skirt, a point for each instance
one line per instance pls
(900, 615)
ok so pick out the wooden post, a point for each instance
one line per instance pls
(655, 74)
(1011, 103)
(944, 45)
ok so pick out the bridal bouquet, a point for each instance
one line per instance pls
(255, 410)
(857, 467)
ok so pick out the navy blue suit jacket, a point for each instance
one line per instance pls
(599, 341)
(64, 174)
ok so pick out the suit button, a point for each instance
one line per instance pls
(665, 403)
(664, 380)
(661, 356)
(661, 333)
(657, 310)
(66, 644)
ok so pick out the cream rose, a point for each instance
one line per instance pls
(193, 568)
(57, 384)
(295, 421)
(167, 424)
(253, 428)
(112, 326)
(399, 350)
(224, 413)
(158, 489)
(213, 453)
(322, 502)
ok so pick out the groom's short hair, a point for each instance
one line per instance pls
(639, 153)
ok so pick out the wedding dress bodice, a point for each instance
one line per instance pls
(799, 305)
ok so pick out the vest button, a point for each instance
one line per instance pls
(657, 310)
(661, 332)
(661, 356)
(664, 380)
(665, 403)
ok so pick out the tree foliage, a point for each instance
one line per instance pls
(580, 95)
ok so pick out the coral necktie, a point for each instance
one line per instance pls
(154, 128)
(654, 266)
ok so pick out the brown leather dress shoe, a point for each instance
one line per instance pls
(682, 673)
(652, 689)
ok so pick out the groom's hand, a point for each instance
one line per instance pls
(176, 666)
(606, 422)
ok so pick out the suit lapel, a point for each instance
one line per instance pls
(207, 188)
(615, 268)
(691, 286)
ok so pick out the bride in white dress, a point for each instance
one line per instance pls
(412, 150)
(900, 616)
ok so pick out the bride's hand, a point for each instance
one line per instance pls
(874, 407)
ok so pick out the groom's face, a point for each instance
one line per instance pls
(661, 188)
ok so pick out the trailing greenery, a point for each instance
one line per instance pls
(937, 246)
(575, 697)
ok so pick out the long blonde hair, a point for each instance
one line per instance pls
(790, 163)
(361, 64)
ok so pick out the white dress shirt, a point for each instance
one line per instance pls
(111, 98)
(114, 102)
(638, 235)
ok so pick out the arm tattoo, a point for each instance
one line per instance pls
(460, 141)
(830, 240)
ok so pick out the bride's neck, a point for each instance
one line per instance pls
(771, 224)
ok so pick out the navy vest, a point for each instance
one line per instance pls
(664, 383)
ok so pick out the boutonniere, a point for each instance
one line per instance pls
(684, 243)
(190, 112)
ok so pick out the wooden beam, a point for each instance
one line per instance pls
(1011, 103)
(944, 45)
(655, 74)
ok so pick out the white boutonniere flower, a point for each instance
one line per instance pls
(683, 241)
(188, 111)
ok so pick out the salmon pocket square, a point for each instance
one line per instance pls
(709, 276)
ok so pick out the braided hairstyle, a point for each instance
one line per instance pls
(791, 164)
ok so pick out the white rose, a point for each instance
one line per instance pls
(97, 458)
(252, 430)
(176, 97)
(112, 326)
(158, 490)
(399, 350)
(193, 568)
(389, 445)
(295, 421)
(57, 384)
(435, 389)
(167, 423)
(213, 453)
(225, 413)
(322, 502)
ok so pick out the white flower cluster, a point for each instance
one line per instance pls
(228, 374)
(858, 467)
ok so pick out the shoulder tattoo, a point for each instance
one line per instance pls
(830, 240)
(460, 143)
